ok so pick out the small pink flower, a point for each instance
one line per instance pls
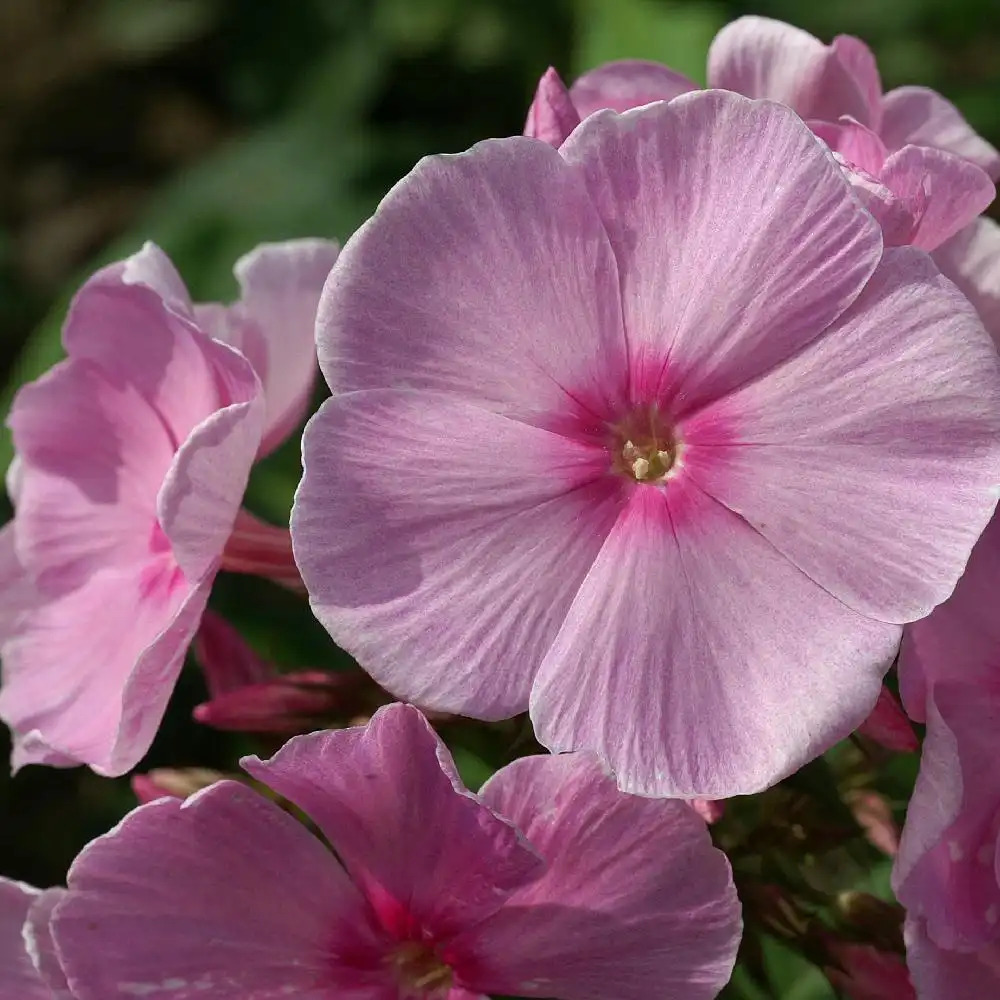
(29, 968)
(920, 196)
(617, 435)
(874, 815)
(132, 459)
(761, 57)
(865, 973)
(550, 883)
(941, 974)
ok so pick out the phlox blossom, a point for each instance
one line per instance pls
(647, 435)
(132, 459)
(549, 883)
(764, 58)
(29, 969)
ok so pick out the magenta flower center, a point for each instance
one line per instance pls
(645, 446)
(421, 970)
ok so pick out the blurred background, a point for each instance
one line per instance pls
(211, 125)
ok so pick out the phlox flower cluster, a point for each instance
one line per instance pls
(669, 429)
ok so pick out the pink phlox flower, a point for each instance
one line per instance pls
(873, 814)
(921, 196)
(549, 883)
(132, 459)
(616, 434)
(763, 58)
(29, 967)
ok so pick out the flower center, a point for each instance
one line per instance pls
(421, 970)
(645, 447)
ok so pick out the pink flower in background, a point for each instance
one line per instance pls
(550, 883)
(132, 459)
(29, 969)
(920, 196)
(641, 435)
(946, 869)
(760, 57)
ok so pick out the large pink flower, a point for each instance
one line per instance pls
(647, 435)
(761, 57)
(550, 883)
(132, 459)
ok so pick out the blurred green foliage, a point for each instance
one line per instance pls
(319, 106)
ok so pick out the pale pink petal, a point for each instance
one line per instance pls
(17, 593)
(944, 872)
(698, 661)
(860, 146)
(442, 543)
(871, 458)
(952, 191)
(154, 269)
(737, 238)
(372, 789)
(19, 980)
(551, 116)
(939, 974)
(760, 57)
(486, 274)
(84, 685)
(627, 84)
(37, 934)
(224, 896)
(972, 260)
(918, 116)
(228, 661)
(634, 895)
(203, 488)
(873, 814)
(92, 455)
(134, 337)
(859, 61)
(274, 325)
(960, 638)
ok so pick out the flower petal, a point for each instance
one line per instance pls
(944, 871)
(275, 325)
(954, 191)
(960, 638)
(698, 661)
(737, 237)
(154, 269)
(859, 61)
(487, 274)
(223, 895)
(37, 935)
(972, 260)
(939, 974)
(19, 980)
(87, 677)
(626, 84)
(551, 116)
(373, 788)
(760, 57)
(918, 116)
(634, 895)
(441, 543)
(892, 418)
